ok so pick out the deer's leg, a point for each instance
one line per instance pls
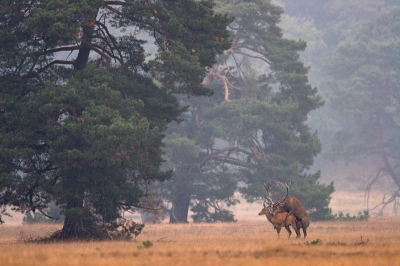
(296, 229)
(298, 226)
(305, 231)
(288, 229)
(278, 230)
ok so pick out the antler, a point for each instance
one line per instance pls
(267, 187)
(287, 185)
(268, 199)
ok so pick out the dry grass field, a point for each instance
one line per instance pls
(241, 243)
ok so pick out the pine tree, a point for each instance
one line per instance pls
(254, 127)
(83, 106)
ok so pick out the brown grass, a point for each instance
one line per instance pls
(241, 243)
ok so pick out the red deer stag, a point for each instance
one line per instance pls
(290, 205)
(278, 220)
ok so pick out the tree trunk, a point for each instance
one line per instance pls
(181, 200)
(180, 209)
(73, 227)
(381, 145)
(75, 215)
(77, 219)
(74, 220)
(84, 51)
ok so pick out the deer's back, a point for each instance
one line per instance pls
(294, 205)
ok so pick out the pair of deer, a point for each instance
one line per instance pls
(286, 212)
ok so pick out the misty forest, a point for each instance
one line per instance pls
(179, 110)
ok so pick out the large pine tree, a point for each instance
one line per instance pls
(254, 127)
(83, 107)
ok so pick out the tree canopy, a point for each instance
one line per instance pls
(253, 129)
(84, 106)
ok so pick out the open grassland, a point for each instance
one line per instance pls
(241, 243)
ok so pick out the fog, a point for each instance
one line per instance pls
(353, 58)
(327, 26)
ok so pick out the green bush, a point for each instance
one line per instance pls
(362, 216)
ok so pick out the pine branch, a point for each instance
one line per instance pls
(105, 53)
(54, 62)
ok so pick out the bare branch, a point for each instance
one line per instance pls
(54, 62)
(223, 156)
(226, 83)
(111, 37)
(384, 202)
(100, 52)
(369, 186)
(114, 10)
(60, 49)
(255, 153)
(119, 3)
(46, 215)
(388, 166)
(104, 52)
(138, 206)
(257, 143)
(230, 160)
(261, 57)
(103, 26)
